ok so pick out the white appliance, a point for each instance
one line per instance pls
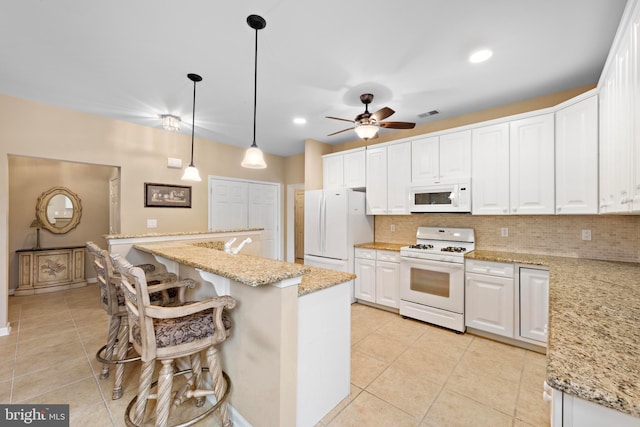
(432, 276)
(445, 196)
(334, 221)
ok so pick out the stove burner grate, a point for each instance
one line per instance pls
(421, 246)
(453, 249)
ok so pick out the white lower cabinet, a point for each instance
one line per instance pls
(572, 411)
(377, 276)
(534, 304)
(507, 300)
(489, 297)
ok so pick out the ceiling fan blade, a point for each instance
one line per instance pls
(340, 131)
(382, 113)
(338, 118)
(397, 125)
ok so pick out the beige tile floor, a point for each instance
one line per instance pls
(403, 372)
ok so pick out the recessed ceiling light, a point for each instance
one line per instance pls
(299, 120)
(480, 55)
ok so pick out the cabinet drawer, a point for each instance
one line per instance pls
(390, 256)
(501, 269)
(365, 253)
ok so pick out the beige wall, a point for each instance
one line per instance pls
(29, 178)
(37, 130)
(313, 151)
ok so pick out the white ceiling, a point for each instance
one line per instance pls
(129, 59)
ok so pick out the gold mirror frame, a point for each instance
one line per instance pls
(43, 203)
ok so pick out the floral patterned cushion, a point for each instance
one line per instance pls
(182, 330)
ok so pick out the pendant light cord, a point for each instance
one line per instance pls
(255, 91)
(193, 120)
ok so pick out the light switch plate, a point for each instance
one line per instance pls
(152, 223)
(586, 234)
(504, 232)
(172, 162)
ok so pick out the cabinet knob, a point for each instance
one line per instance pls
(515, 209)
(504, 211)
(559, 209)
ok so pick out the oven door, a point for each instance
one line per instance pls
(432, 283)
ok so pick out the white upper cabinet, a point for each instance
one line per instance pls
(425, 160)
(344, 170)
(531, 153)
(577, 158)
(490, 170)
(388, 172)
(620, 125)
(441, 157)
(354, 169)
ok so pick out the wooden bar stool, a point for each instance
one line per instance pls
(112, 300)
(167, 333)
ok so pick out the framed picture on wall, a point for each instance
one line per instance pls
(166, 196)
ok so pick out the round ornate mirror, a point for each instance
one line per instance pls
(59, 210)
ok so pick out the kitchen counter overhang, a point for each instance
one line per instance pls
(593, 348)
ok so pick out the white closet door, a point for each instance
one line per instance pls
(229, 203)
(263, 213)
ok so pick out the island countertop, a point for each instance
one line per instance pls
(247, 269)
(178, 233)
(594, 328)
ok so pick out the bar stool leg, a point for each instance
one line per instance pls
(219, 384)
(144, 388)
(114, 326)
(165, 381)
(123, 348)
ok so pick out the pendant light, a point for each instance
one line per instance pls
(253, 158)
(191, 173)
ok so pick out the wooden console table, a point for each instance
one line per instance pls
(50, 269)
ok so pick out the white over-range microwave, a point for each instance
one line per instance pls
(445, 196)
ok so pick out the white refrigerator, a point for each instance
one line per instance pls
(334, 221)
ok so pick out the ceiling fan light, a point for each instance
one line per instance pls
(366, 131)
(253, 158)
(191, 174)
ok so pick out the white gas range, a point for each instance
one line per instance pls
(432, 276)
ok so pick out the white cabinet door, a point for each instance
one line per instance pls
(490, 170)
(398, 178)
(365, 283)
(376, 181)
(573, 411)
(388, 283)
(531, 152)
(354, 169)
(577, 158)
(534, 304)
(425, 160)
(455, 155)
(332, 171)
(489, 303)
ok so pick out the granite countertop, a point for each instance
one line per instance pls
(593, 349)
(179, 233)
(318, 279)
(247, 269)
(382, 246)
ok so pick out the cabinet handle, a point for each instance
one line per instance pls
(504, 210)
(515, 209)
(559, 209)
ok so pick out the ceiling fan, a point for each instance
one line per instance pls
(366, 125)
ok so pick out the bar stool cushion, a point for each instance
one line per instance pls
(182, 330)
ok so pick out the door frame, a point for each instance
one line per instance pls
(291, 191)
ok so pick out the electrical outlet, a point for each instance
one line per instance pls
(586, 234)
(504, 232)
(393, 228)
(152, 223)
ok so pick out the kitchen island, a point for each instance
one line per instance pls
(593, 348)
(288, 355)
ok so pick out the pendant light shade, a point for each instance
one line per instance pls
(253, 158)
(191, 173)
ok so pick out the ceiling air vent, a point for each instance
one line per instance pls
(430, 113)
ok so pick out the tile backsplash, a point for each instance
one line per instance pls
(613, 237)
